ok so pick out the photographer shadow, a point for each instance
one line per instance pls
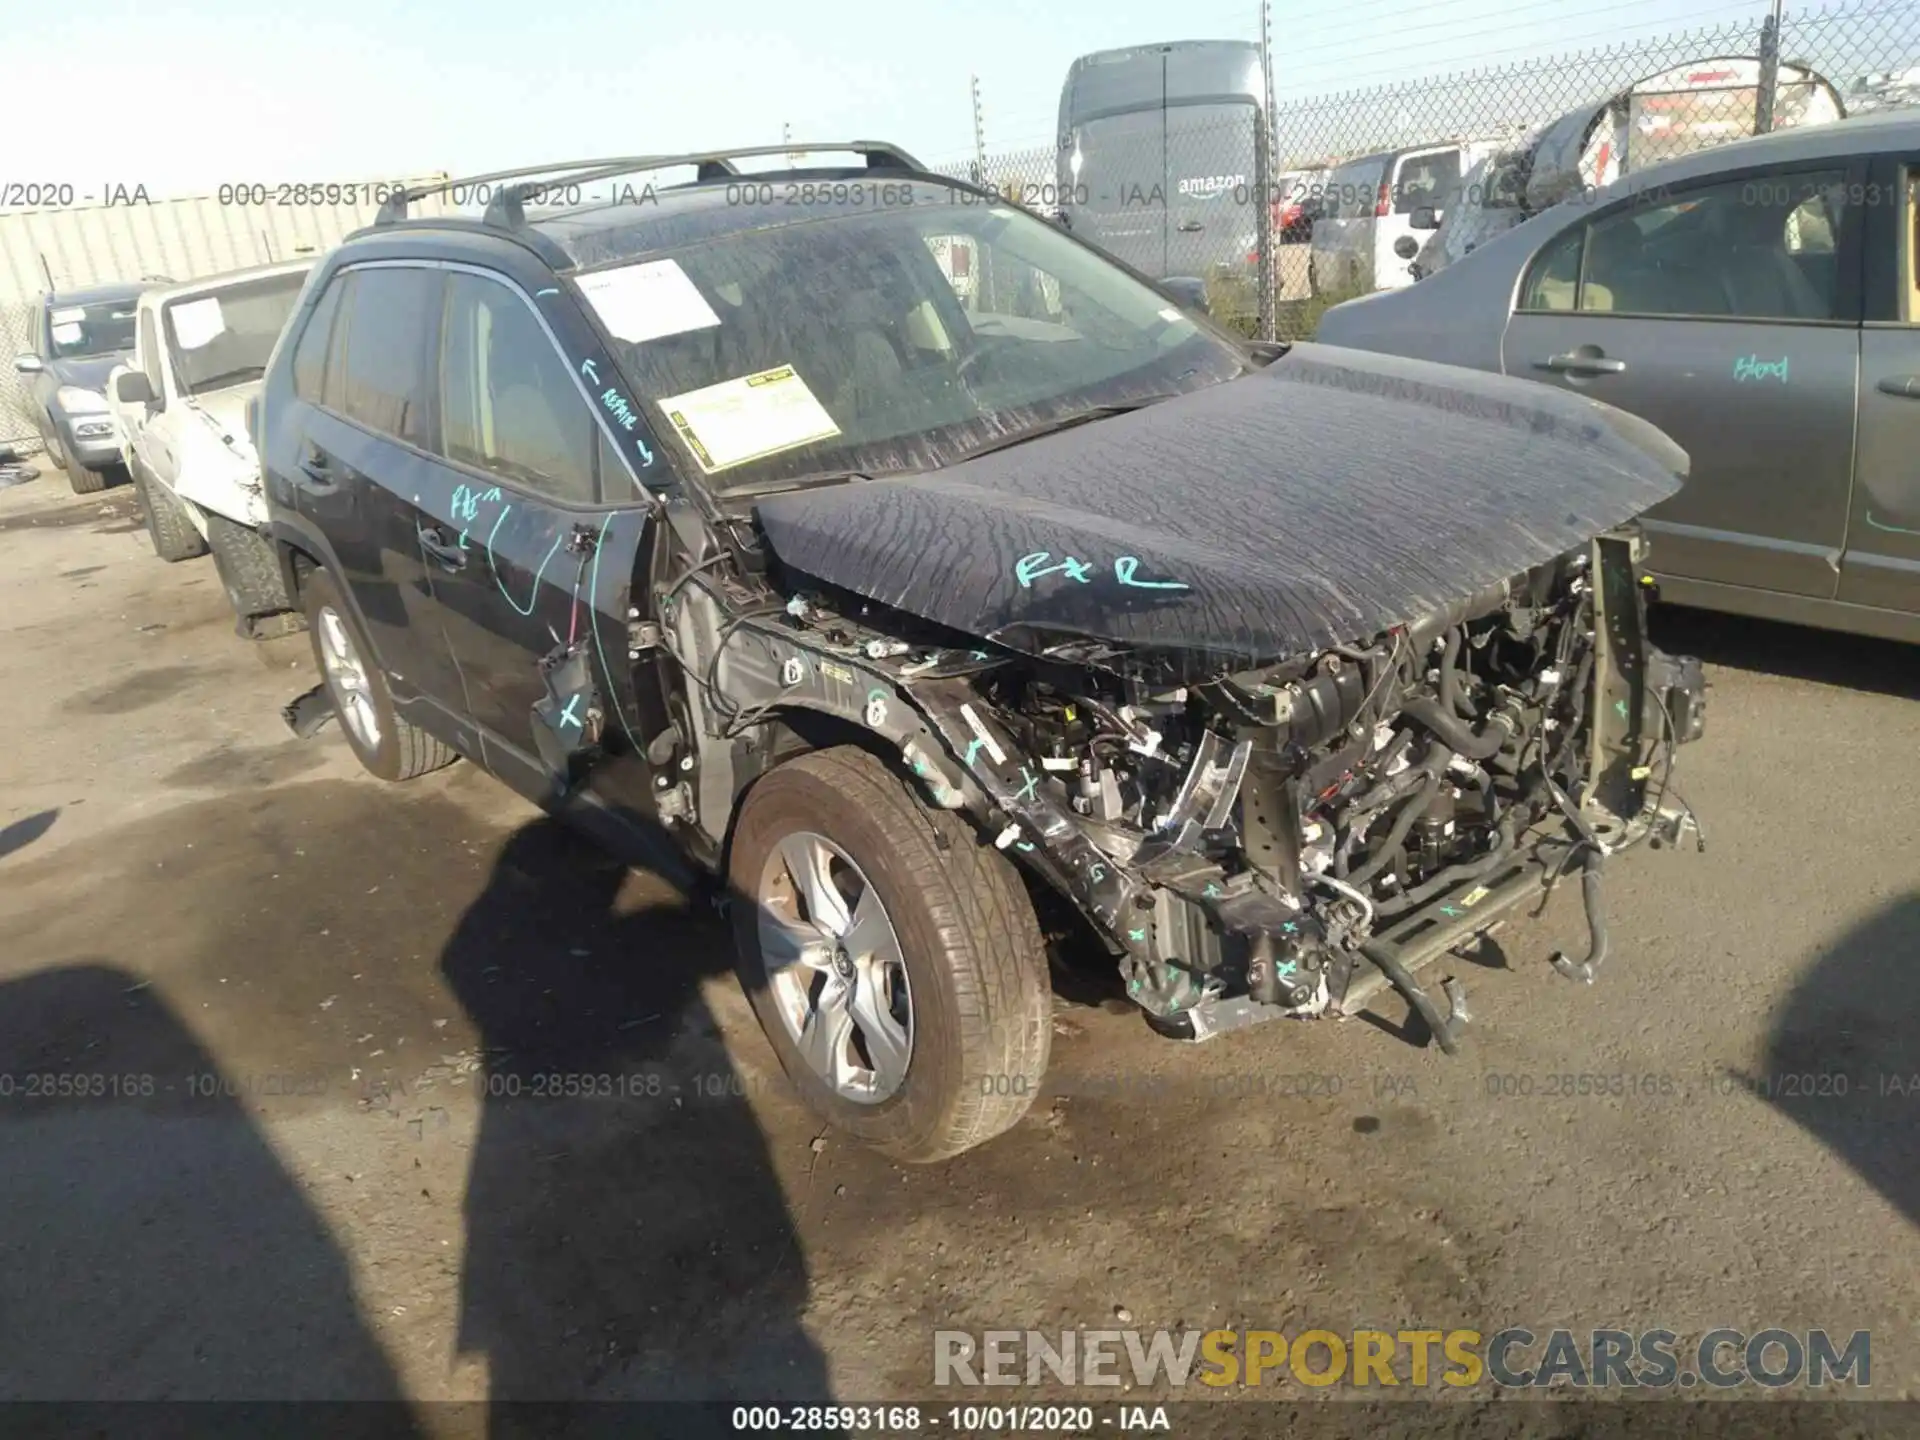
(1840, 1059)
(627, 1236)
(153, 1246)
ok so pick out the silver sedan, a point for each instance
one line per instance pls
(1759, 302)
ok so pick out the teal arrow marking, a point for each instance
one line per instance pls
(586, 368)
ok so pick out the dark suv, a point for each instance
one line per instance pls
(729, 518)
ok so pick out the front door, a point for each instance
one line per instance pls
(543, 540)
(1728, 315)
(1882, 563)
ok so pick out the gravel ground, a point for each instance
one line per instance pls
(410, 1092)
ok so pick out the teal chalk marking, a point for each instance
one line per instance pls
(1022, 845)
(1030, 790)
(1890, 529)
(1029, 568)
(548, 291)
(1211, 891)
(586, 369)
(1097, 874)
(567, 717)
(1752, 367)
(1286, 967)
(1289, 927)
(1620, 708)
(533, 596)
(973, 749)
(1136, 935)
(1448, 910)
(980, 655)
(1124, 567)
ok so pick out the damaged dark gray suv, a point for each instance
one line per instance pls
(902, 561)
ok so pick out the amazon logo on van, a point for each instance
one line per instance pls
(1211, 184)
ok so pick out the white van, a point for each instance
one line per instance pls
(1369, 209)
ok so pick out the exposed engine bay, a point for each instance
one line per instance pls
(1266, 843)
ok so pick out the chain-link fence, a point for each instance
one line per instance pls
(1181, 194)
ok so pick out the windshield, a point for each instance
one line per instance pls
(856, 342)
(99, 327)
(225, 338)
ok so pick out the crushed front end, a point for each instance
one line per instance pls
(1283, 841)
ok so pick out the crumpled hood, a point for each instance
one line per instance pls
(1320, 501)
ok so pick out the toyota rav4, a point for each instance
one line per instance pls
(718, 516)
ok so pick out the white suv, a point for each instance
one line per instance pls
(200, 350)
(1369, 208)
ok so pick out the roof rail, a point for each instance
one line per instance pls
(505, 206)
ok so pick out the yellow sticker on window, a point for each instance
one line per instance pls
(749, 418)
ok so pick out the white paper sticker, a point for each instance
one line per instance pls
(1170, 315)
(196, 322)
(643, 302)
(72, 315)
(757, 415)
(67, 334)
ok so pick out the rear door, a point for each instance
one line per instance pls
(1727, 313)
(1121, 189)
(1420, 177)
(1211, 187)
(541, 497)
(366, 474)
(1881, 567)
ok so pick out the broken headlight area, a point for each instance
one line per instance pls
(1284, 840)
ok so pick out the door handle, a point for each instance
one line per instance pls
(1907, 387)
(1190, 227)
(1574, 363)
(319, 472)
(448, 553)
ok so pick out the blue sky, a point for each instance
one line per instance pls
(182, 97)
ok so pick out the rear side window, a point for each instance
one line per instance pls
(1554, 283)
(509, 404)
(390, 315)
(1425, 180)
(310, 355)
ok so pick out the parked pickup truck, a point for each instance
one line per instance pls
(200, 349)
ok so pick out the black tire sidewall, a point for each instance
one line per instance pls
(794, 798)
(383, 762)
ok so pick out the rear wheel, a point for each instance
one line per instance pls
(892, 958)
(169, 525)
(389, 747)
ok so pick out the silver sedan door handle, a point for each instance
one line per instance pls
(1575, 363)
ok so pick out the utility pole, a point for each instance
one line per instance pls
(979, 135)
(1263, 163)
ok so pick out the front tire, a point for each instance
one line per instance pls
(250, 573)
(892, 958)
(389, 747)
(169, 525)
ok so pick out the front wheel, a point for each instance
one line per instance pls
(892, 958)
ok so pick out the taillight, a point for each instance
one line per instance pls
(1384, 205)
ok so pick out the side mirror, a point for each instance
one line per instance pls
(1187, 291)
(252, 418)
(29, 364)
(1425, 217)
(1406, 247)
(131, 387)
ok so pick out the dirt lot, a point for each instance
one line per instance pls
(315, 1022)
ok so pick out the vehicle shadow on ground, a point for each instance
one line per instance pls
(1825, 657)
(627, 1236)
(153, 1246)
(22, 833)
(1840, 1059)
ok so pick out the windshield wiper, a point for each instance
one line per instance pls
(1064, 422)
(813, 478)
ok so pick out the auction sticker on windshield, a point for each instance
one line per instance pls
(196, 322)
(746, 419)
(646, 301)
